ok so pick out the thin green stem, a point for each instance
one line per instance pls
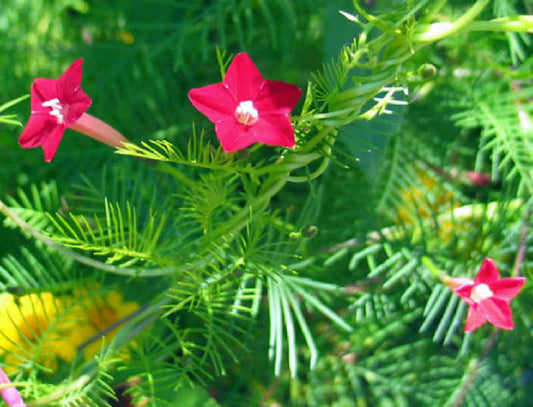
(520, 23)
(315, 174)
(439, 31)
(88, 261)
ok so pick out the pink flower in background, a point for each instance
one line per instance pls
(10, 395)
(478, 179)
(488, 296)
(58, 104)
(246, 108)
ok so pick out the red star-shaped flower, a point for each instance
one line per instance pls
(55, 105)
(488, 296)
(246, 108)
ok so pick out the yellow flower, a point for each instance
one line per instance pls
(424, 199)
(101, 313)
(428, 197)
(126, 37)
(9, 336)
(43, 328)
(39, 328)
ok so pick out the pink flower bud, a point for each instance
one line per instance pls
(10, 394)
(478, 179)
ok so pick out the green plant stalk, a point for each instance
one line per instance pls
(438, 31)
(519, 23)
(14, 384)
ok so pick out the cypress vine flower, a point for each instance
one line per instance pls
(488, 296)
(246, 108)
(58, 104)
(10, 395)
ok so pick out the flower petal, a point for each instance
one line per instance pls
(51, 141)
(487, 272)
(38, 127)
(78, 104)
(498, 312)
(277, 97)
(243, 79)
(474, 319)
(42, 90)
(507, 288)
(234, 136)
(69, 83)
(214, 101)
(275, 130)
(464, 292)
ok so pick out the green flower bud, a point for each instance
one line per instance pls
(427, 71)
(294, 236)
(310, 231)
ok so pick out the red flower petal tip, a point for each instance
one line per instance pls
(56, 104)
(488, 296)
(246, 108)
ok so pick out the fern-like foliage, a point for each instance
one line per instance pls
(218, 318)
(199, 154)
(88, 388)
(382, 370)
(33, 206)
(287, 316)
(506, 142)
(116, 236)
(161, 366)
(36, 268)
(227, 251)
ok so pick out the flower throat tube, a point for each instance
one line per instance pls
(58, 104)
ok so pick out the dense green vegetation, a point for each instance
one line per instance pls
(271, 276)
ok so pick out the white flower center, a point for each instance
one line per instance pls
(480, 292)
(57, 109)
(246, 113)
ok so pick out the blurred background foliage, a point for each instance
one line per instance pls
(140, 60)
